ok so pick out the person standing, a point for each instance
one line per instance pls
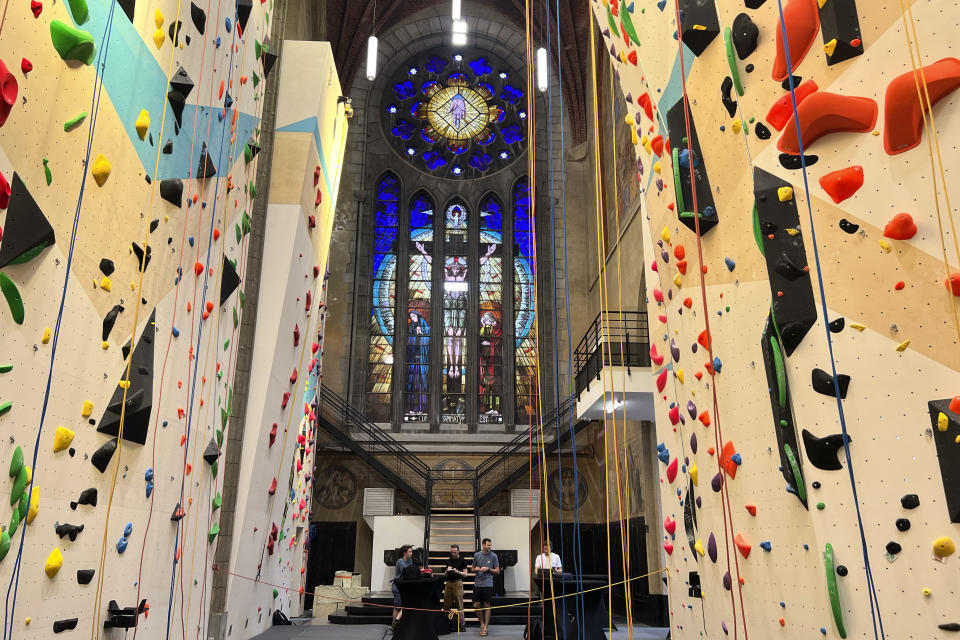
(406, 560)
(485, 565)
(453, 590)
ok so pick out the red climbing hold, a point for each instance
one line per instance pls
(661, 381)
(752, 509)
(688, 302)
(704, 417)
(216, 234)
(273, 434)
(955, 405)
(901, 227)
(843, 183)
(4, 193)
(679, 252)
(670, 525)
(657, 145)
(319, 198)
(668, 548)
(8, 92)
(672, 471)
(293, 376)
(25, 66)
(655, 357)
(209, 306)
(903, 109)
(198, 268)
(953, 283)
(726, 459)
(779, 114)
(682, 267)
(646, 105)
(273, 487)
(286, 399)
(823, 113)
(674, 414)
(742, 546)
(802, 22)
(632, 57)
(704, 339)
(316, 176)
(36, 7)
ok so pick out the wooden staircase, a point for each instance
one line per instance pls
(447, 526)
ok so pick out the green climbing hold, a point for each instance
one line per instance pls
(239, 234)
(217, 502)
(4, 545)
(46, 172)
(832, 590)
(781, 372)
(6, 406)
(16, 462)
(72, 43)
(236, 320)
(257, 49)
(756, 229)
(795, 467)
(246, 221)
(253, 190)
(74, 121)
(6, 368)
(22, 505)
(821, 506)
(79, 10)
(212, 534)
(275, 592)
(247, 153)
(14, 522)
(213, 468)
(226, 344)
(12, 294)
(732, 61)
(19, 485)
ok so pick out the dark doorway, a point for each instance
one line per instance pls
(332, 548)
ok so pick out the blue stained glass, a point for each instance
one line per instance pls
(433, 160)
(384, 240)
(404, 130)
(436, 64)
(512, 133)
(459, 147)
(480, 161)
(491, 214)
(488, 139)
(387, 214)
(426, 86)
(428, 138)
(480, 67)
(404, 89)
(414, 108)
(489, 88)
(500, 115)
(511, 94)
(457, 77)
(389, 190)
(421, 212)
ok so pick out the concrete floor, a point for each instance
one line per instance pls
(382, 632)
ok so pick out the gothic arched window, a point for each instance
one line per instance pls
(490, 375)
(524, 305)
(456, 289)
(419, 289)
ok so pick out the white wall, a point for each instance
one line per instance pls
(511, 533)
(391, 532)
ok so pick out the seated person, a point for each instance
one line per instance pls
(453, 590)
(548, 562)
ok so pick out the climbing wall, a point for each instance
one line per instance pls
(793, 258)
(129, 144)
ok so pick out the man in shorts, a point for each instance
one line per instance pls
(485, 565)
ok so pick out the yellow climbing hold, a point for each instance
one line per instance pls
(645, 141)
(736, 125)
(105, 283)
(680, 375)
(699, 547)
(903, 345)
(101, 170)
(628, 119)
(694, 474)
(158, 18)
(87, 409)
(699, 27)
(634, 139)
(942, 421)
(857, 326)
(124, 384)
(792, 232)
(104, 345)
(27, 621)
(62, 439)
(926, 592)
(665, 235)
(46, 336)
(143, 124)
(158, 38)
(53, 563)
(957, 439)
(820, 3)
(677, 280)
(943, 547)
(34, 505)
(830, 47)
(29, 473)
(785, 194)
(657, 167)
(885, 246)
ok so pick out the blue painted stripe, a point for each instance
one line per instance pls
(672, 94)
(312, 125)
(136, 81)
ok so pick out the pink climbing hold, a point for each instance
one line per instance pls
(843, 183)
(8, 92)
(674, 415)
(672, 470)
(286, 399)
(273, 434)
(670, 525)
(662, 380)
(4, 192)
(25, 66)
(273, 487)
(668, 548)
(655, 357)
(293, 376)
(658, 295)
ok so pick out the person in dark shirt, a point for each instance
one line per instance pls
(406, 560)
(453, 590)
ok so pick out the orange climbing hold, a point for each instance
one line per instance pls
(726, 459)
(646, 105)
(704, 417)
(742, 546)
(953, 283)
(901, 227)
(823, 113)
(657, 145)
(704, 339)
(198, 268)
(779, 114)
(903, 109)
(955, 405)
(802, 22)
(679, 252)
(843, 183)
(752, 509)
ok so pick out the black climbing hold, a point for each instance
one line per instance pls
(65, 624)
(749, 68)
(694, 589)
(84, 576)
(839, 22)
(174, 31)
(186, 39)
(822, 452)
(690, 519)
(848, 226)
(229, 280)
(836, 326)
(106, 266)
(815, 484)
(227, 101)
(211, 452)
(128, 7)
(910, 501)
(87, 497)
(177, 103)
(123, 618)
(903, 524)
(745, 34)
(139, 396)
(269, 59)
(177, 513)
(143, 259)
(243, 12)
(949, 626)
(753, 4)
(726, 96)
(154, 224)
(893, 548)
(677, 126)
(788, 161)
(762, 131)
(125, 351)
(786, 268)
(786, 82)
(171, 190)
(205, 168)
(72, 451)
(181, 82)
(823, 383)
(102, 456)
(109, 320)
(199, 17)
(68, 530)
(168, 147)
(26, 231)
(948, 453)
(841, 570)
(700, 24)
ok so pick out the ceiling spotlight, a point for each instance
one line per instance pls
(542, 70)
(459, 33)
(371, 58)
(612, 405)
(455, 9)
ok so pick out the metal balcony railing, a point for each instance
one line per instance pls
(615, 338)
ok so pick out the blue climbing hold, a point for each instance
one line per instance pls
(661, 4)
(663, 454)
(190, 240)
(148, 475)
(176, 332)
(226, 21)
(685, 161)
(717, 365)
(731, 265)
(149, 488)
(709, 211)
(737, 460)
(127, 530)
(765, 545)
(121, 545)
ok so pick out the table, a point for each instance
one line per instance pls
(421, 593)
(565, 611)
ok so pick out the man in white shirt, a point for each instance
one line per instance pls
(548, 561)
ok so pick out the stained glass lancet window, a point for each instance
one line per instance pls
(490, 374)
(383, 311)
(523, 304)
(417, 393)
(455, 290)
